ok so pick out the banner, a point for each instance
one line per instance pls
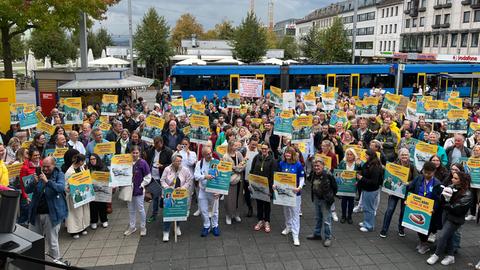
(109, 105)
(319, 89)
(104, 148)
(177, 107)
(28, 117)
(121, 172)
(16, 109)
(418, 213)
(200, 131)
(457, 121)
(73, 110)
(391, 102)
(175, 204)
(452, 94)
(104, 128)
(411, 113)
(395, 180)
(153, 128)
(283, 193)
(302, 127)
(455, 103)
(40, 116)
(289, 101)
(221, 150)
(368, 107)
(81, 188)
(402, 106)
(276, 96)
(435, 111)
(188, 105)
(14, 172)
(283, 124)
(338, 116)
(250, 87)
(473, 165)
(310, 102)
(423, 152)
(100, 181)
(233, 101)
(329, 100)
(260, 189)
(222, 171)
(346, 182)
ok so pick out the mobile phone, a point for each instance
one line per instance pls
(38, 171)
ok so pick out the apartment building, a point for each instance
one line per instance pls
(285, 28)
(389, 27)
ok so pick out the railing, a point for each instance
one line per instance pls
(466, 2)
(5, 256)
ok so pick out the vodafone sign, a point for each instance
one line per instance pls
(459, 58)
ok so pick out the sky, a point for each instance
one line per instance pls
(207, 12)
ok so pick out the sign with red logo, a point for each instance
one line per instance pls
(459, 58)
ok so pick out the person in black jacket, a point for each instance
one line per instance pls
(455, 200)
(370, 180)
(324, 187)
(271, 139)
(128, 122)
(172, 136)
(158, 158)
(264, 164)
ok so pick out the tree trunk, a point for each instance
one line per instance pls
(154, 70)
(7, 52)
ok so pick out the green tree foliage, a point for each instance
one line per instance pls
(98, 41)
(185, 27)
(250, 40)
(221, 31)
(151, 40)
(272, 40)
(18, 47)
(327, 45)
(54, 43)
(290, 47)
(17, 16)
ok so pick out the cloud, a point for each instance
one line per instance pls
(208, 13)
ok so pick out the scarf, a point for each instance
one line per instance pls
(123, 144)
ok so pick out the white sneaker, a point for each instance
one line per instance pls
(477, 267)
(228, 220)
(84, 232)
(424, 248)
(129, 231)
(433, 259)
(470, 218)
(360, 224)
(357, 209)
(363, 229)
(76, 236)
(286, 231)
(178, 231)
(143, 231)
(105, 224)
(166, 236)
(296, 241)
(334, 216)
(237, 219)
(58, 261)
(93, 226)
(197, 213)
(432, 237)
(448, 260)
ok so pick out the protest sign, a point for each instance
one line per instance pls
(260, 189)
(338, 116)
(283, 192)
(326, 160)
(457, 121)
(402, 105)
(289, 101)
(310, 102)
(200, 131)
(104, 148)
(73, 110)
(81, 188)
(368, 107)
(198, 108)
(28, 117)
(153, 128)
(16, 109)
(101, 181)
(222, 171)
(188, 105)
(435, 111)
(455, 103)
(418, 213)
(109, 105)
(302, 127)
(121, 172)
(233, 101)
(250, 87)
(451, 94)
(473, 165)
(346, 182)
(283, 124)
(396, 180)
(391, 102)
(411, 113)
(175, 204)
(13, 171)
(276, 96)
(40, 116)
(221, 150)
(329, 100)
(58, 154)
(177, 107)
(423, 152)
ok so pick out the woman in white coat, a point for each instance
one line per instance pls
(78, 218)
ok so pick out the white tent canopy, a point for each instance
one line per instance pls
(90, 56)
(290, 61)
(192, 61)
(229, 61)
(273, 61)
(104, 54)
(108, 61)
(47, 62)
(31, 64)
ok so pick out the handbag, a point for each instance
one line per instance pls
(125, 193)
(154, 188)
(236, 177)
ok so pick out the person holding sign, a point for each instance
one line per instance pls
(292, 165)
(29, 168)
(455, 200)
(351, 162)
(175, 176)
(97, 209)
(324, 188)
(141, 178)
(428, 186)
(4, 180)
(204, 171)
(234, 199)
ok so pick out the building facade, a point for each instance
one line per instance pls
(285, 28)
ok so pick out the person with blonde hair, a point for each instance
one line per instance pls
(350, 162)
(234, 199)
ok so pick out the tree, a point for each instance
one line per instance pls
(272, 40)
(54, 43)
(328, 45)
(99, 41)
(151, 40)
(289, 46)
(210, 35)
(250, 40)
(18, 16)
(185, 27)
(225, 30)
(18, 47)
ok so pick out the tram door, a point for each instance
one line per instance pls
(474, 94)
(261, 77)
(343, 84)
(354, 85)
(234, 82)
(331, 80)
(421, 80)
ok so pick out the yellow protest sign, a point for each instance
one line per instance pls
(155, 121)
(110, 99)
(221, 150)
(455, 103)
(44, 127)
(100, 176)
(14, 169)
(104, 148)
(59, 152)
(40, 117)
(189, 102)
(80, 178)
(326, 159)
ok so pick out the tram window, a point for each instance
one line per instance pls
(384, 81)
(306, 81)
(272, 80)
(199, 82)
(366, 81)
(409, 80)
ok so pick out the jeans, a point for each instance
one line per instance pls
(44, 227)
(24, 212)
(392, 204)
(323, 216)
(445, 239)
(347, 206)
(137, 205)
(369, 199)
(457, 236)
(156, 201)
(167, 225)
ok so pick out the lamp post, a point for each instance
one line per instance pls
(354, 29)
(130, 41)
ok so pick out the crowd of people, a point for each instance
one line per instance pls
(172, 161)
